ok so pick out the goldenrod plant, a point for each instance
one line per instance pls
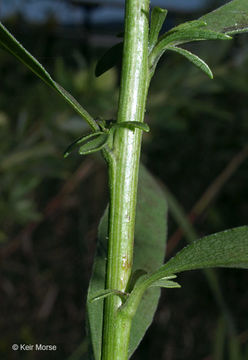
(128, 269)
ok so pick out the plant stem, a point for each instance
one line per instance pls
(123, 176)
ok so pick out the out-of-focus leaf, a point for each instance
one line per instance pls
(10, 44)
(231, 18)
(219, 339)
(20, 156)
(3, 237)
(111, 58)
(149, 250)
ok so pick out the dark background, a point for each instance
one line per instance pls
(50, 207)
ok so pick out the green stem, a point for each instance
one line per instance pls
(123, 176)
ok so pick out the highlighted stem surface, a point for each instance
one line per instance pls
(123, 176)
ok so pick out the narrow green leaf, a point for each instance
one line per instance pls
(111, 58)
(105, 293)
(231, 18)
(193, 24)
(193, 58)
(97, 142)
(219, 339)
(10, 44)
(182, 37)
(166, 284)
(132, 125)
(169, 277)
(149, 249)
(228, 248)
(194, 34)
(157, 19)
(91, 143)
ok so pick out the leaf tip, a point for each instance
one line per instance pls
(160, 10)
(146, 127)
(209, 72)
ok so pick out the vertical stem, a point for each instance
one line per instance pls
(123, 176)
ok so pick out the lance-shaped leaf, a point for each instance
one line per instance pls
(132, 125)
(166, 282)
(157, 19)
(182, 36)
(111, 58)
(89, 144)
(10, 44)
(228, 248)
(193, 58)
(186, 33)
(149, 250)
(231, 18)
(188, 25)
